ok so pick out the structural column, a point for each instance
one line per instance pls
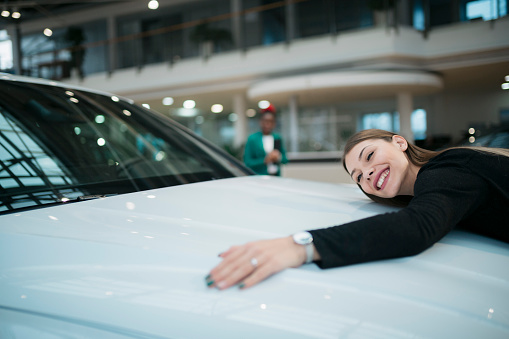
(14, 32)
(294, 124)
(290, 20)
(111, 47)
(240, 125)
(405, 109)
(236, 8)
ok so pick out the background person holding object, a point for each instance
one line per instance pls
(458, 187)
(264, 152)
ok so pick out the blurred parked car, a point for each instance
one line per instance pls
(112, 215)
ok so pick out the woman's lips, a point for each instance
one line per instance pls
(381, 179)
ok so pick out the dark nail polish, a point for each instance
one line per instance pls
(210, 282)
(207, 277)
(242, 285)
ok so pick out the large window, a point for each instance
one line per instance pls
(390, 121)
(432, 13)
(319, 129)
(67, 51)
(5, 51)
(485, 9)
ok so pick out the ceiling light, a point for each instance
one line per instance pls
(16, 14)
(217, 108)
(250, 113)
(153, 4)
(48, 32)
(263, 104)
(507, 78)
(189, 104)
(505, 85)
(146, 106)
(6, 13)
(168, 101)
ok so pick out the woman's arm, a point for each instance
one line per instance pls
(444, 196)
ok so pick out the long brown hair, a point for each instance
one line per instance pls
(416, 155)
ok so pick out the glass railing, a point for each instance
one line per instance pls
(173, 36)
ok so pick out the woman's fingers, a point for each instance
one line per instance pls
(258, 275)
(251, 263)
(238, 262)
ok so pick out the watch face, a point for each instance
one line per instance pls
(303, 238)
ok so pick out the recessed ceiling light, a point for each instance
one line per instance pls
(168, 101)
(217, 108)
(263, 104)
(189, 104)
(153, 4)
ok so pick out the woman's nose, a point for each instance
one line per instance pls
(370, 173)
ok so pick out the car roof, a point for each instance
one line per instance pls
(40, 81)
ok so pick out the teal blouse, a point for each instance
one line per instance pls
(254, 154)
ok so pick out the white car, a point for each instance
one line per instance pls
(111, 216)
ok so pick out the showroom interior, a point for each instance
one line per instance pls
(435, 71)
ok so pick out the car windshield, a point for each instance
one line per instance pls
(59, 145)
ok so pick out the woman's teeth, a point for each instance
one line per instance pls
(382, 179)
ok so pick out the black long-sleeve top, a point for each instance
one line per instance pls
(457, 188)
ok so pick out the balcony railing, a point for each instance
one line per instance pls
(170, 37)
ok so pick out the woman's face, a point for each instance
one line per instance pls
(382, 168)
(267, 123)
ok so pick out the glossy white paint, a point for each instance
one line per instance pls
(134, 266)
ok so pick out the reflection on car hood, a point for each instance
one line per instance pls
(134, 265)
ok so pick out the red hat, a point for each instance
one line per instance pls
(270, 109)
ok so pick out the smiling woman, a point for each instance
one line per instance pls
(458, 187)
(381, 168)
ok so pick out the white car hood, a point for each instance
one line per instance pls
(134, 265)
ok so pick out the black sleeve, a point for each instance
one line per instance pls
(444, 195)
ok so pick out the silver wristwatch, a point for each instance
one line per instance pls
(305, 239)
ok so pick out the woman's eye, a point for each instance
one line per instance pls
(359, 177)
(370, 155)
